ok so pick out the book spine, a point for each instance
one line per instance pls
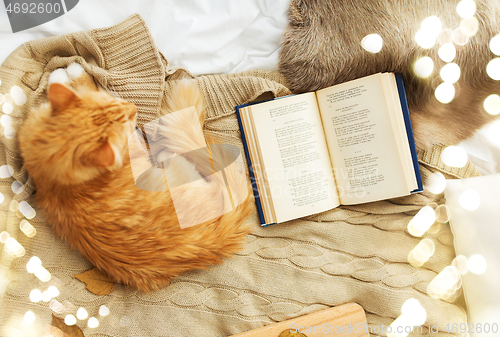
(409, 130)
(250, 167)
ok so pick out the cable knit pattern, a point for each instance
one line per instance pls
(349, 254)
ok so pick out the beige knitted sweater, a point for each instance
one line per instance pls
(350, 254)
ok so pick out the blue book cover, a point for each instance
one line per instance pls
(409, 131)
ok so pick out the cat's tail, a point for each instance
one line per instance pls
(184, 95)
(228, 159)
(220, 164)
(181, 128)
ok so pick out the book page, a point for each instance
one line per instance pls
(294, 156)
(399, 128)
(363, 148)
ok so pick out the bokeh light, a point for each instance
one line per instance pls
(450, 72)
(7, 108)
(493, 69)
(443, 213)
(9, 132)
(460, 262)
(414, 312)
(432, 24)
(424, 67)
(125, 321)
(70, 320)
(460, 36)
(372, 43)
(53, 291)
(445, 283)
(93, 322)
(29, 317)
(43, 274)
(466, 9)
(469, 200)
(46, 296)
(17, 187)
(18, 95)
(35, 296)
(421, 253)
(6, 171)
(14, 248)
(492, 104)
(399, 327)
(14, 206)
(445, 92)
(81, 314)
(454, 156)
(436, 183)
(495, 45)
(33, 264)
(470, 26)
(430, 29)
(4, 236)
(27, 228)
(477, 264)
(56, 306)
(103, 310)
(447, 52)
(425, 39)
(6, 120)
(28, 211)
(422, 221)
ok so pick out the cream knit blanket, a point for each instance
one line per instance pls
(350, 254)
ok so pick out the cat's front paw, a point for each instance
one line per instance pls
(59, 76)
(79, 77)
(75, 70)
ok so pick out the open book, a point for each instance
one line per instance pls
(347, 144)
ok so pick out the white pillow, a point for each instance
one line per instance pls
(475, 221)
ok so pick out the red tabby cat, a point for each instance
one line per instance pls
(75, 149)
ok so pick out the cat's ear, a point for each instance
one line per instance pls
(103, 156)
(60, 96)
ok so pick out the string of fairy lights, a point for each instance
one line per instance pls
(27, 324)
(446, 284)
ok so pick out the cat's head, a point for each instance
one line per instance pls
(78, 135)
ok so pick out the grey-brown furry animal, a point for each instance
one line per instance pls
(321, 47)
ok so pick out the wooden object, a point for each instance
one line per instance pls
(347, 320)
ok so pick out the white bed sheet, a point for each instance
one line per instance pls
(208, 37)
(205, 37)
